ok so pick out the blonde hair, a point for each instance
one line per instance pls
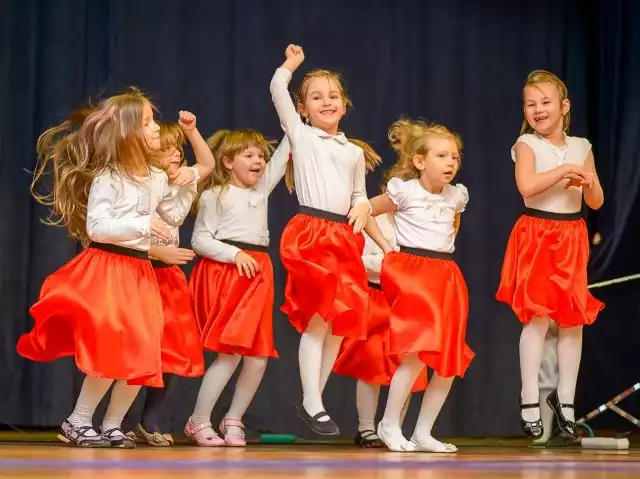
(229, 143)
(410, 138)
(542, 76)
(371, 158)
(171, 135)
(90, 142)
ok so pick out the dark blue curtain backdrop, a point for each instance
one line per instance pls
(461, 63)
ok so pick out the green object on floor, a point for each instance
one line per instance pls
(277, 439)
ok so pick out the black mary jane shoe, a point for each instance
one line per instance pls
(532, 429)
(368, 439)
(567, 427)
(324, 428)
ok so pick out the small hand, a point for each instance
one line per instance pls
(246, 264)
(358, 216)
(159, 229)
(187, 120)
(171, 255)
(183, 176)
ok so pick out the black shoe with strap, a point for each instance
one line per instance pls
(532, 429)
(324, 428)
(567, 427)
(368, 439)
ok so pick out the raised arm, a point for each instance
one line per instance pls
(204, 229)
(276, 166)
(204, 157)
(102, 227)
(279, 87)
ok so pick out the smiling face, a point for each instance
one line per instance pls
(324, 102)
(150, 128)
(246, 168)
(544, 108)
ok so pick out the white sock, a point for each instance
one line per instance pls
(569, 354)
(122, 398)
(531, 347)
(253, 369)
(432, 402)
(214, 382)
(310, 361)
(330, 351)
(366, 404)
(400, 388)
(92, 392)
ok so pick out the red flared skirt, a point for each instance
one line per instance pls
(544, 273)
(429, 307)
(104, 309)
(181, 346)
(234, 313)
(325, 275)
(370, 360)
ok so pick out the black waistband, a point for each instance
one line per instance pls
(326, 215)
(547, 215)
(156, 263)
(247, 246)
(375, 286)
(427, 253)
(112, 248)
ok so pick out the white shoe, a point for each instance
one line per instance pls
(395, 445)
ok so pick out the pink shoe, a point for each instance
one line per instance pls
(194, 432)
(233, 440)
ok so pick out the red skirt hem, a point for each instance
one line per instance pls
(181, 346)
(544, 273)
(369, 360)
(325, 275)
(234, 313)
(104, 309)
(429, 306)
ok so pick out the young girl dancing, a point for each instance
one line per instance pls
(181, 347)
(104, 306)
(544, 275)
(423, 285)
(326, 287)
(370, 360)
(232, 283)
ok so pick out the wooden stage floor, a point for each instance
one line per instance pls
(335, 462)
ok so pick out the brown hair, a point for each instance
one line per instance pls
(229, 143)
(410, 138)
(371, 158)
(90, 142)
(171, 135)
(542, 76)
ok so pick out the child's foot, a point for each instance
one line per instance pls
(117, 437)
(431, 444)
(82, 436)
(155, 439)
(392, 437)
(368, 438)
(203, 434)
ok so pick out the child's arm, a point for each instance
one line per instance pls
(381, 204)
(360, 206)
(276, 166)
(170, 254)
(204, 157)
(101, 225)
(289, 117)
(531, 183)
(593, 195)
